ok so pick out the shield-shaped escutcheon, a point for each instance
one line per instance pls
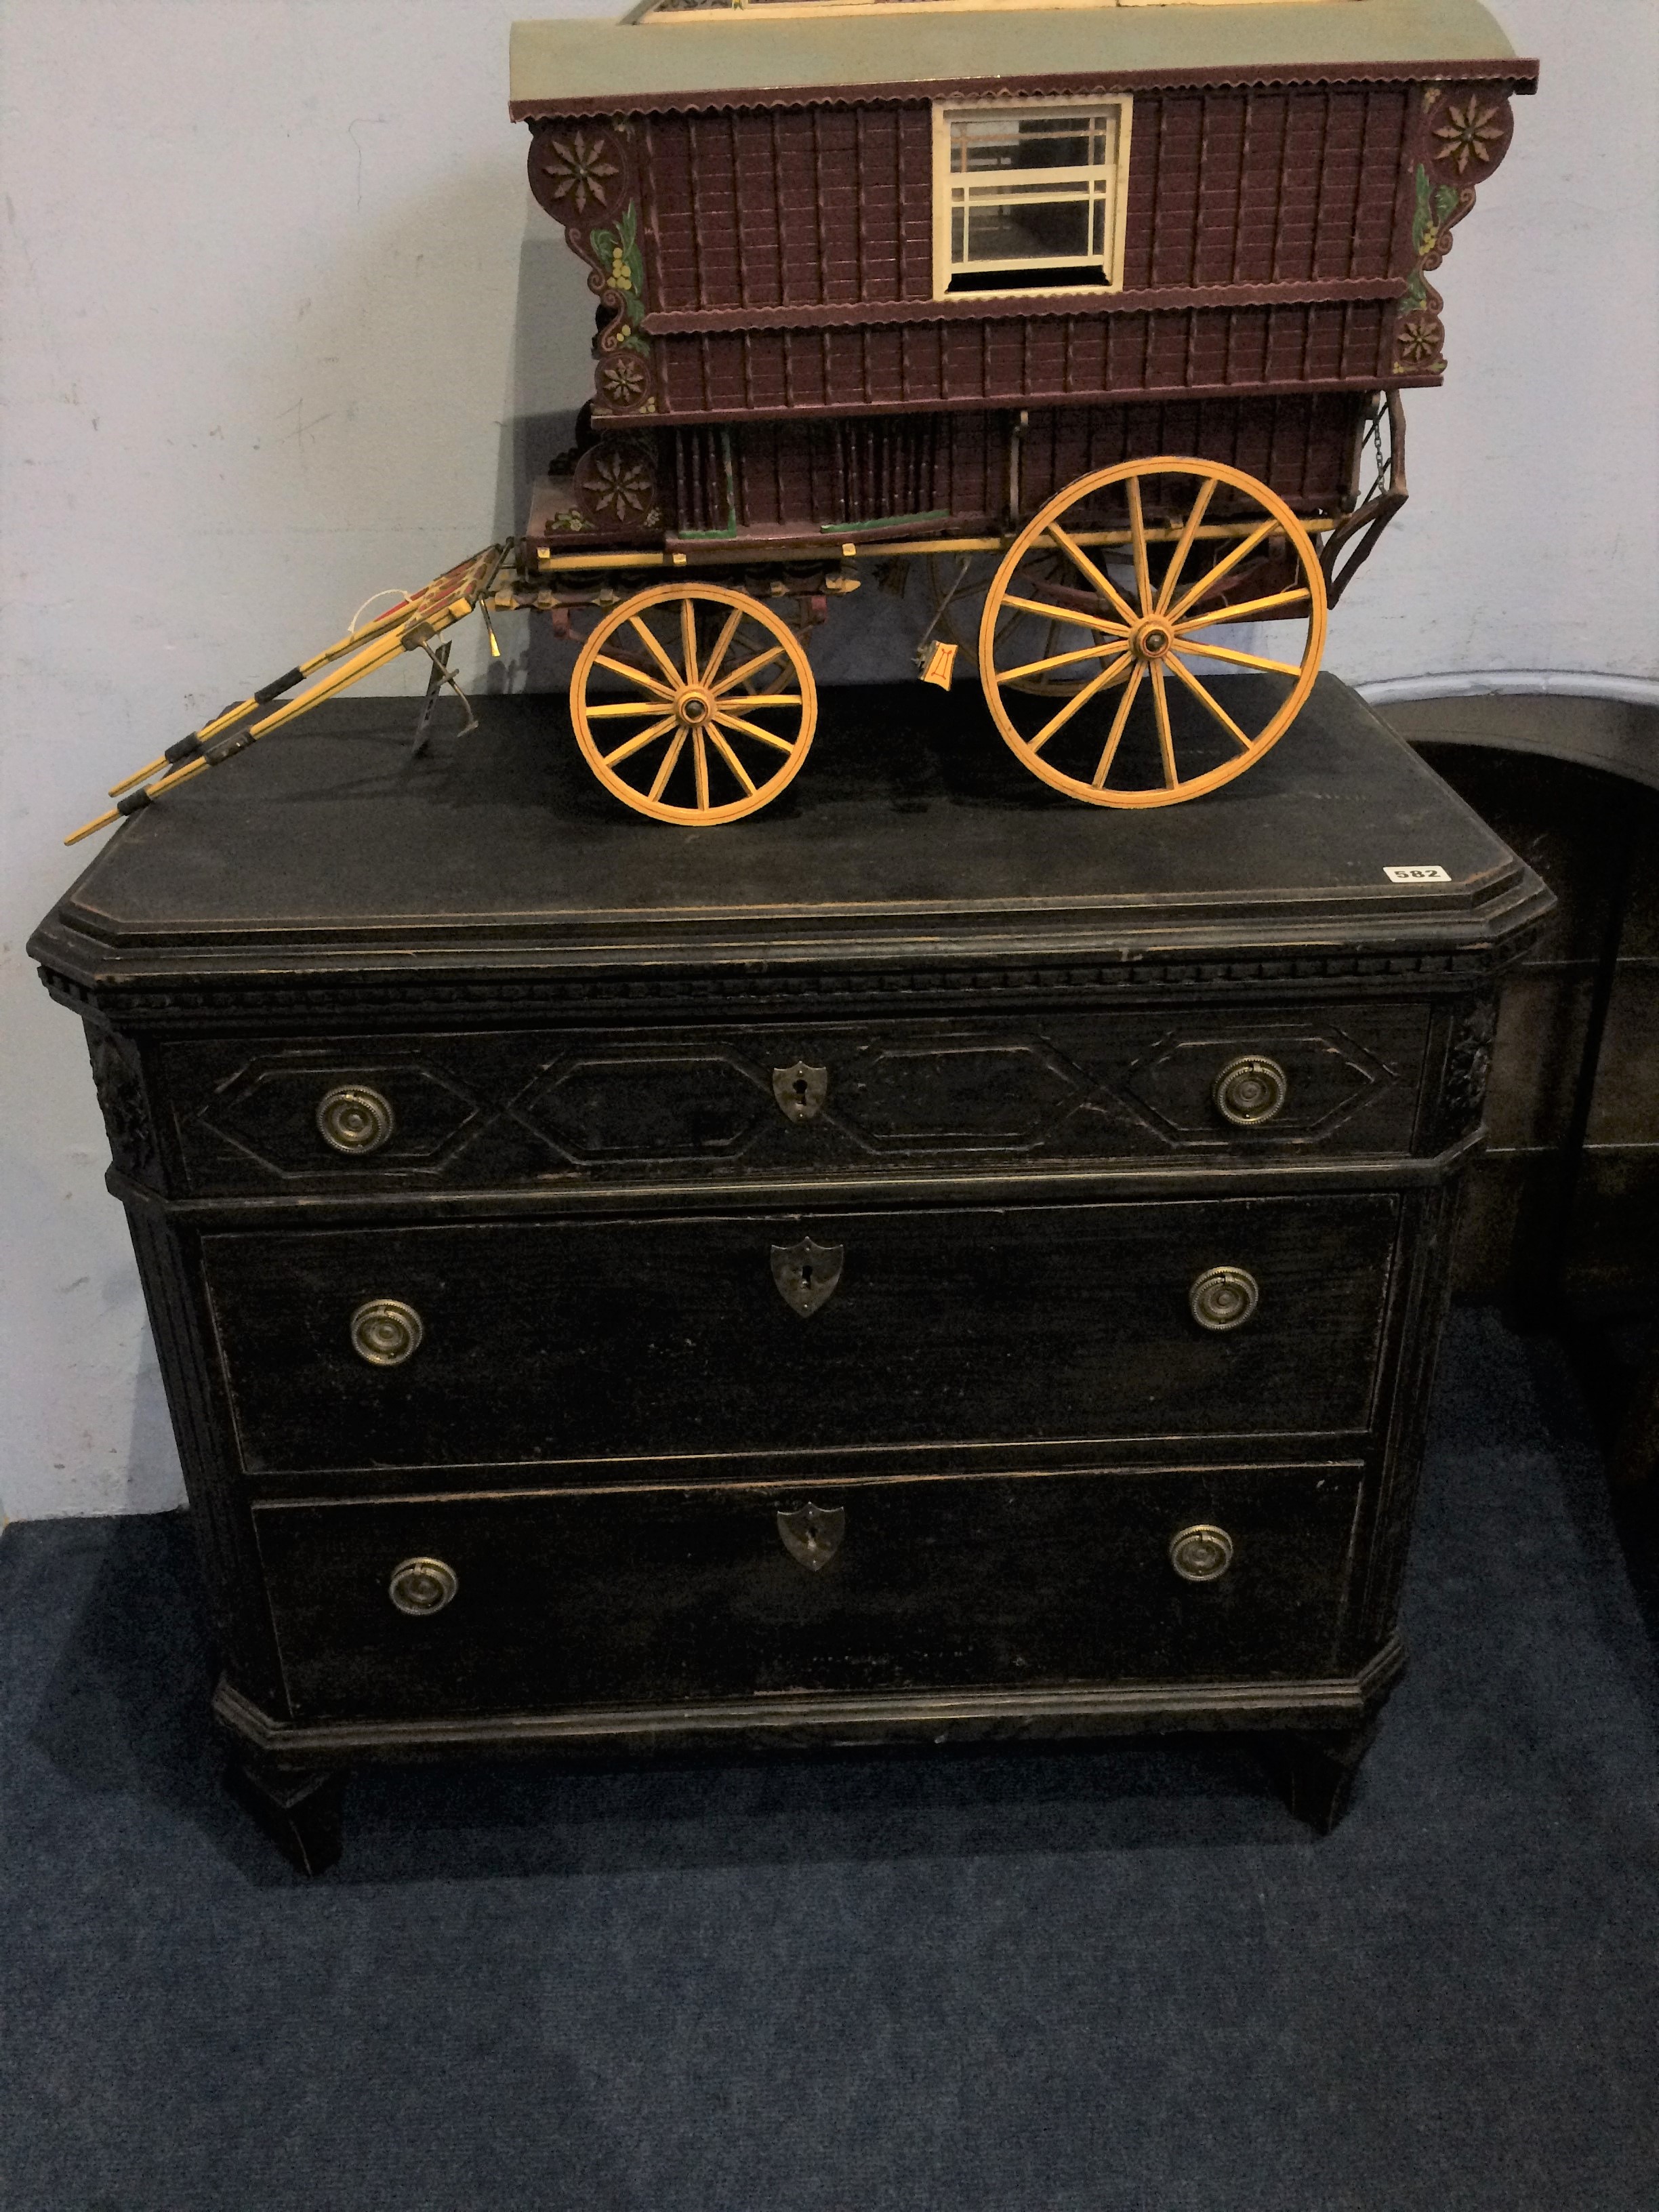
(812, 1533)
(806, 1273)
(800, 1090)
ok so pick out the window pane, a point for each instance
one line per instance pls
(1052, 188)
(1049, 231)
(1046, 141)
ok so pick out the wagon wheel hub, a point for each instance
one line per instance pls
(692, 707)
(1151, 640)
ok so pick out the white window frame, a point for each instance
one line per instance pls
(1013, 111)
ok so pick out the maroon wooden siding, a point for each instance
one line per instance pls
(799, 479)
(802, 207)
(1300, 444)
(1013, 361)
(1248, 187)
(831, 206)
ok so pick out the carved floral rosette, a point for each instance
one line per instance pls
(1469, 1063)
(616, 487)
(1464, 133)
(583, 173)
(120, 1087)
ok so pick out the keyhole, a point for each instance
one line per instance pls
(800, 1089)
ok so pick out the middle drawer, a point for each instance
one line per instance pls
(585, 1341)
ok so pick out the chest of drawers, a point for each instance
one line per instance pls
(933, 1262)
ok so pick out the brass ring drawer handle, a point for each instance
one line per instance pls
(1224, 1297)
(1202, 1553)
(385, 1331)
(422, 1586)
(353, 1118)
(1250, 1090)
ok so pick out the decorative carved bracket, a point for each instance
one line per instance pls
(1464, 133)
(583, 173)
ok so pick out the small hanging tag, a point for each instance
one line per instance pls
(941, 664)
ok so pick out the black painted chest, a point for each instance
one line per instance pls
(930, 1261)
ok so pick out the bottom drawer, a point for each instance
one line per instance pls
(448, 1606)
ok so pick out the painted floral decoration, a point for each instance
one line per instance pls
(1468, 134)
(577, 168)
(1419, 340)
(620, 484)
(623, 380)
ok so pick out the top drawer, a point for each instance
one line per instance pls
(475, 1111)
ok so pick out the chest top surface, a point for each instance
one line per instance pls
(916, 836)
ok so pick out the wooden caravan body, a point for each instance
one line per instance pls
(1291, 175)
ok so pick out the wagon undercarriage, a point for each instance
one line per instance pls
(1109, 631)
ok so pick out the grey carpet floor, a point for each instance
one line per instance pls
(1117, 1981)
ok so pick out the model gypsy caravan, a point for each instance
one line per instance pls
(1094, 318)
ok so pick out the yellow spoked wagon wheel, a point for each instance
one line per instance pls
(693, 704)
(1147, 729)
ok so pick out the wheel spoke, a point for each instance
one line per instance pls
(722, 644)
(1097, 684)
(771, 699)
(700, 761)
(645, 737)
(754, 730)
(663, 662)
(1138, 532)
(669, 759)
(1207, 698)
(689, 636)
(634, 675)
(1248, 609)
(718, 690)
(1078, 620)
(1054, 660)
(607, 708)
(717, 738)
(1101, 582)
(1009, 615)
(1241, 551)
(1165, 735)
(1240, 660)
(1184, 544)
(1120, 723)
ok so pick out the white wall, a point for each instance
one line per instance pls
(281, 327)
